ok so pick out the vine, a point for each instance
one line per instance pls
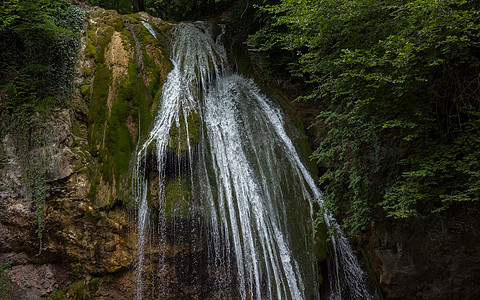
(28, 134)
(40, 41)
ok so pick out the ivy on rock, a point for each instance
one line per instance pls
(38, 43)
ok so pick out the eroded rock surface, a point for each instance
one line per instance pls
(429, 260)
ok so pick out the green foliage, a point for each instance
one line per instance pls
(38, 40)
(177, 9)
(28, 131)
(38, 43)
(396, 84)
(122, 6)
(5, 282)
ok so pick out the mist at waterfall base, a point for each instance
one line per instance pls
(243, 188)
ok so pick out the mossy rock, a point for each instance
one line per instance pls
(165, 28)
(322, 247)
(145, 37)
(103, 25)
(115, 127)
(132, 19)
(81, 289)
(178, 197)
(85, 89)
(183, 134)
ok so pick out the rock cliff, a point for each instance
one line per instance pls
(87, 246)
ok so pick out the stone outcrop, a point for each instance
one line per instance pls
(77, 239)
(88, 245)
(429, 259)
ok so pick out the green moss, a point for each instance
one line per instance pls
(85, 89)
(178, 198)
(92, 191)
(165, 28)
(87, 71)
(305, 151)
(98, 107)
(95, 284)
(163, 34)
(150, 202)
(321, 247)
(111, 140)
(115, 21)
(72, 290)
(178, 134)
(81, 289)
(132, 19)
(5, 282)
(90, 50)
(148, 100)
(156, 65)
(145, 37)
(100, 35)
(119, 143)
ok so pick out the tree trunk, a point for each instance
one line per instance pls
(138, 5)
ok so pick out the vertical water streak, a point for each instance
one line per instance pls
(191, 71)
(345, 260)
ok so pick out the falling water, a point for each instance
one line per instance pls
(250, 182)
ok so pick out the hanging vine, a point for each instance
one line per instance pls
(28, 134)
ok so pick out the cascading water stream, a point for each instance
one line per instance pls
(250, 182)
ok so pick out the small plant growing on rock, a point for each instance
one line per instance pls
(5, 282)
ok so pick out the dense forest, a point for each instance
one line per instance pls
(397, 84)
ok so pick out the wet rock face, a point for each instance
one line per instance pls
(437, 260)
(59, 157)
(77, 239)
(35, 281)
(180, 265)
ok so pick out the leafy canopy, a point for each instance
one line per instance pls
(397, 83)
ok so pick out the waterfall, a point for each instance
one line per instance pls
(225, 146)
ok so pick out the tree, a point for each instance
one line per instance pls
(396, 83)
(138, 5)
(38, 43)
